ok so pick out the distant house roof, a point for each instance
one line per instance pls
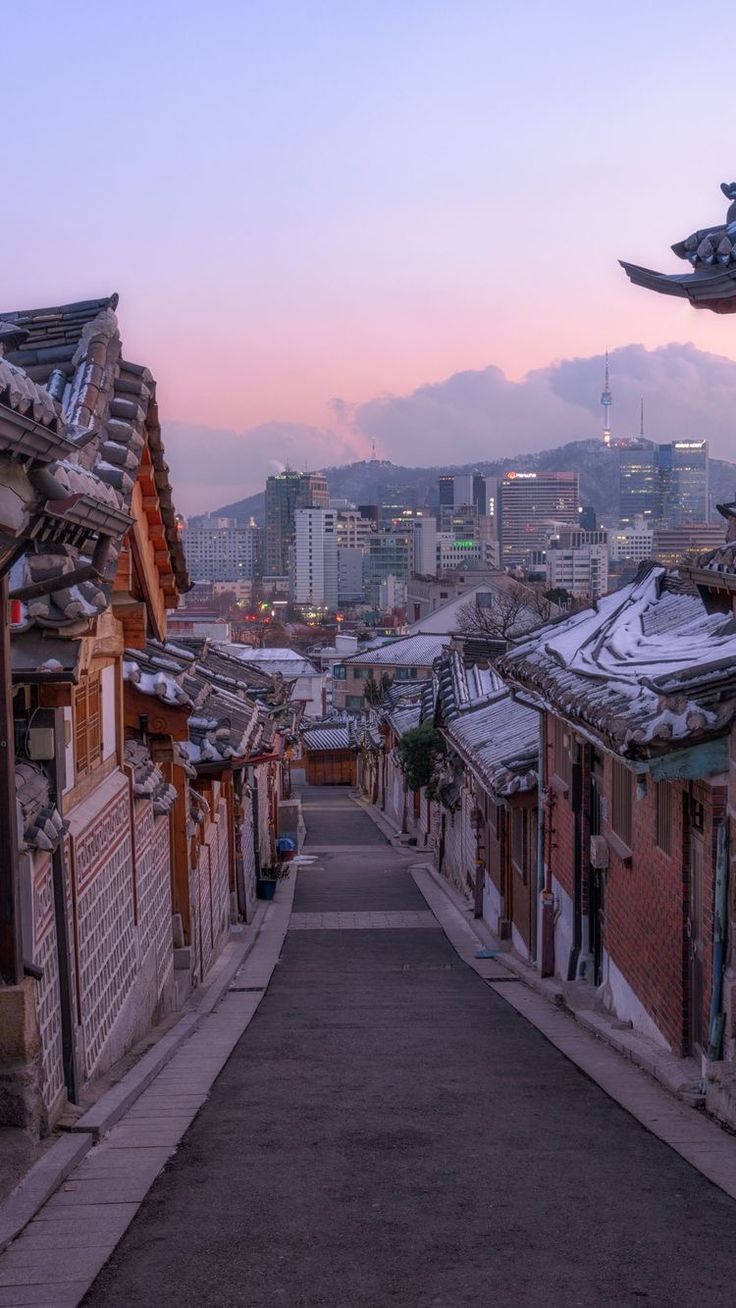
(645, 668)
(225, 720)
(322, 737)
(496, 737)
(408, 651)
(288, 662)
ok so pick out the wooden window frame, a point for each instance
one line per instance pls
(87, 724)
(622, 802)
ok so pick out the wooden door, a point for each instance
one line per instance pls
(696, 1034)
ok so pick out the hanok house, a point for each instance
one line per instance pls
(88, 529)
(232, 723)
(329, 751)
(487, 840)
(637, 698)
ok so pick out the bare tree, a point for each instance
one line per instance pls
(507, 614)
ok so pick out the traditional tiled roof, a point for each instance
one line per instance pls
(149, 781)
(325, 736)
(499, 741)
(408, 651)
(43, 825)
(288, 663)
(646, 668)
(459, 687)
(75, 375)
(224, 720)
(404, 706)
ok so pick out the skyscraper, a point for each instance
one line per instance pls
(530, 504)
(666, 484)
(638, 481)
(315, 571)
(285, 493)
(684, 482)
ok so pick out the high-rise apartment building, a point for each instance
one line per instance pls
(315, 572)
(633, 543)
(217, 549)
(350, 566)
(389, 554)
(530, 505)
(577, 561)
(285, 493)
(353, 529)
(423, 562)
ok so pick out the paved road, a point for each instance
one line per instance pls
(390, 1132)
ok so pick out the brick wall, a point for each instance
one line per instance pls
(48, 1000)
(644, 904)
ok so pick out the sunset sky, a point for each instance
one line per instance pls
(304, 200)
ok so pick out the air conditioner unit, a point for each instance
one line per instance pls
(598, 852)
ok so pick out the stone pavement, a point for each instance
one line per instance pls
(389, 1131)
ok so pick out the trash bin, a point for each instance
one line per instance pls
(286, 848)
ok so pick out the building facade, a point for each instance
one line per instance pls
(530, 504)
(285, 493)
(315, 572)
(217, 549)
(577, 561)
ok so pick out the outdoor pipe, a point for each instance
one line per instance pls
(717, 1017)
(94, 571)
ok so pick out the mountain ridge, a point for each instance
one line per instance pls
(375, 481)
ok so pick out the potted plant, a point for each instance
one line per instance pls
(268, 878)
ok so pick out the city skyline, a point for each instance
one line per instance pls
(331, 202)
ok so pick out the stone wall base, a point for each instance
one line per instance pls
(20, 1058)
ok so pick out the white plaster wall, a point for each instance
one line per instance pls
(621, 999)
(563, 928)
(519, 943)
(492, 904)
(107, 690)
(310, 690)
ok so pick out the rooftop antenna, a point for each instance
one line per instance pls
(374, 457)
(607, 405)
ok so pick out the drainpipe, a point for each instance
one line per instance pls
(720, 930)
(576, 796)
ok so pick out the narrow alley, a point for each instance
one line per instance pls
(390, 1131)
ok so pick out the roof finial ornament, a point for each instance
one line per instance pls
(712, 253)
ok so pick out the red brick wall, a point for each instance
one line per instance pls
(644, 926)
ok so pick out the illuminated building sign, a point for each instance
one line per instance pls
(521, 476)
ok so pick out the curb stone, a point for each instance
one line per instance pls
(47, 1174)
(677, 1075)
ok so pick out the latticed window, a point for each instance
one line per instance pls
(621, 801)
(88, 725)
(663, 806)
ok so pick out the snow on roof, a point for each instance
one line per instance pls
(500, 741)
(289, 662)
(408, 651)
(645, 666)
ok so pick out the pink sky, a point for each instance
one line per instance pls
(301, 202)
